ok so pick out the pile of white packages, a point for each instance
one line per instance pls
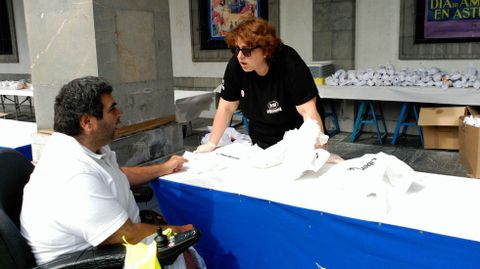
(472, 120)
(230, 136)
(388, 75)
(13, 85)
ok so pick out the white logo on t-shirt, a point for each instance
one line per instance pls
(222, 85)
(273, 107)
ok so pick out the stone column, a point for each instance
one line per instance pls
(127, 43)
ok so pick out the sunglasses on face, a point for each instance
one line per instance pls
(247, 52)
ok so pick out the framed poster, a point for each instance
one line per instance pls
(217, 17)
(447, 21)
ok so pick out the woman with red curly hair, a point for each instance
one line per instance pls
(269, 82)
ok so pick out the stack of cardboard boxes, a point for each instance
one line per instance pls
(469, 138)
(443, 128)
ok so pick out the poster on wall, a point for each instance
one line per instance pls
(447, 21)
(217, 17)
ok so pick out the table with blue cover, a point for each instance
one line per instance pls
(251, 220)
(17, 135)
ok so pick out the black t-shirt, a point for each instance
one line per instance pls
(268, 102)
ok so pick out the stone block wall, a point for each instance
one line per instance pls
(127, 43)
(134, 53)
(334, 32)
(334, 40)
(149, 146)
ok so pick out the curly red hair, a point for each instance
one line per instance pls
(255, 32)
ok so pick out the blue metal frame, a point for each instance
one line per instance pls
(332, 114)
(367, 114)
(244, 120)
(401, 122)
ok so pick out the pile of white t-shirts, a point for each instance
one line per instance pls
(421, 77)
(229, 136)
(203, 162)
(375, 176)
(472, 120)
(295, 153)
(289, 159)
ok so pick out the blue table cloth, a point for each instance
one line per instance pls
(17, 135)
(239, 231)
(25, 150)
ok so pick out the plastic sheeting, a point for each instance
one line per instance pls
(189, 108)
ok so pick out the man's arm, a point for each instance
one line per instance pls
(133, 232)
(136, 232)
(141, 174)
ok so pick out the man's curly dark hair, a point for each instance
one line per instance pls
(76, 98)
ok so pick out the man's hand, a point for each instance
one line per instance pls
(320, 146)
(142, 174)
(174, 164)
(136, 232)
(189, 261)
(179, 229)
(205, 148)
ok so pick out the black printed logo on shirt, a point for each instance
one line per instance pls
(273, 107)
(365, 166)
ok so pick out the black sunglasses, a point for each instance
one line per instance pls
(247, 52)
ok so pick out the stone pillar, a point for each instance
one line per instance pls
(127, 43)
(334, 40)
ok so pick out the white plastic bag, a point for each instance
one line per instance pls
(229, 136)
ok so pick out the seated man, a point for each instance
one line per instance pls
(78, 196)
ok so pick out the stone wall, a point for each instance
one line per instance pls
(334, 40)
(127, 43)
(334, 32)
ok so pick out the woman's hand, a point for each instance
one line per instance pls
(206, 147)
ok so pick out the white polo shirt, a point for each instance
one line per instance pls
(75, 199)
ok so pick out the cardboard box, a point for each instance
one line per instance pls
(469, 142)
(440, 126)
